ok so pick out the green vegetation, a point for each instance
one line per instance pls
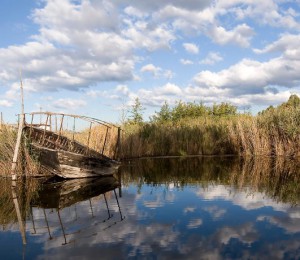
(196, 129)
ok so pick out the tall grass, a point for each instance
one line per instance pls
(26, 164)
(236, 135)
(274, 132)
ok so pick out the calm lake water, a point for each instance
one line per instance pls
(176, 208)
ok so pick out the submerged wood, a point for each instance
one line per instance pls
(65, 157)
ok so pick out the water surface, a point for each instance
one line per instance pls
(191, 208)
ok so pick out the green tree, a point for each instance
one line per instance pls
(164, 115)
(136, 112)
(224, 109)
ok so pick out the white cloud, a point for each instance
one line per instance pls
(267, 12)
(154, 5)
(211, 58)
(169, 89)
(123, 89)
(5, 103)
(186, 62)
(288, 44)
(251, 77)
(69, 104)
(152, 69)
(157, 72)
(240, 35)
(132, 11)
(191, 48)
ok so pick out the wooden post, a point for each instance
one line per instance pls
(118, 145)
(50, 123)
(19, 137)
(32, 116)
(104, 141)
(88, 140)
(74, 129)
(60, 130)
(43, 139)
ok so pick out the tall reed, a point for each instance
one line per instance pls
(26, 164)
(236, 135)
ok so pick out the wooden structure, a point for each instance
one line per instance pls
(60, 148)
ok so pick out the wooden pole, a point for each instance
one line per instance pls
(104, 141)
(118, 145)
(88, 140)
(19, 137)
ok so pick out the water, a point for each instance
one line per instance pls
(192, 208)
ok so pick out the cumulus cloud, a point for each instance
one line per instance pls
(5, 103)
(69, 104)
(211, 58)
(251, 77)
(186, 62)
(264, 12)
(152, 69)
(154, 5)
(240, 35)
(82, 43)
(157, 72)
(191, 48)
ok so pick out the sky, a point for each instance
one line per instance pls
(94, 58)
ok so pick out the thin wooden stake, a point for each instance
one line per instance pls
(19, 137)
(88, 141)
(104, 141)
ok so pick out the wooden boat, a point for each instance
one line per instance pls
(67, 158)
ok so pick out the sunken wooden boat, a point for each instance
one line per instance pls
(66, 157)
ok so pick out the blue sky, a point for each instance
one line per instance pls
(95, 57)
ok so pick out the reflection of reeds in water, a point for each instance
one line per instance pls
(278, 178)
(26, 189)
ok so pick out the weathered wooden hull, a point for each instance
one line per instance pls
(71, 165)
(67, 158)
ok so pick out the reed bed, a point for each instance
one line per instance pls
(27, 165)
(241, 135)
